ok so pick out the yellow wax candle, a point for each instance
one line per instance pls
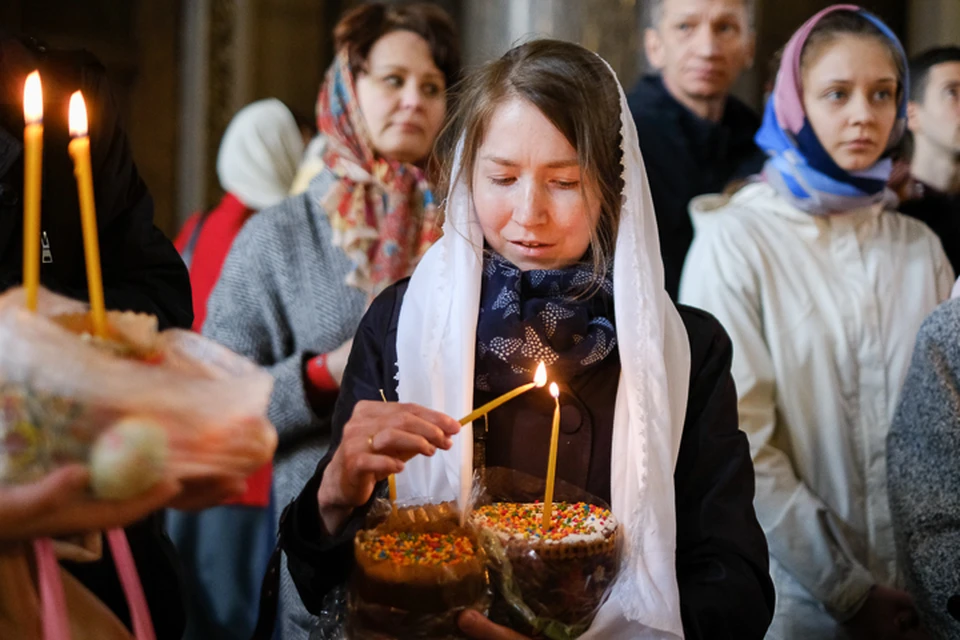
(552, 460)
(32, 163)
(79, 149)
(539, 379)
(391, 479)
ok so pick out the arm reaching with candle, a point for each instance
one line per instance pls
(317, 528)
(377, 440)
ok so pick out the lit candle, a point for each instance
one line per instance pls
(539, 379)
(552, 459)
(80, 152)
(32, 162)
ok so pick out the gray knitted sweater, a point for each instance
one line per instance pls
(281, 299)
(923, 467)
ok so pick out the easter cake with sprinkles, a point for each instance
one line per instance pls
(419, 564)
(562, 574)
(576, 529)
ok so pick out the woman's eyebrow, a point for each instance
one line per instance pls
(556, 164)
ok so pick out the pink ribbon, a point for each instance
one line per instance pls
(56, 624)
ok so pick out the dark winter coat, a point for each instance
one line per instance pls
(686, 156)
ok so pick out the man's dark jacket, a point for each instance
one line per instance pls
(141, 269)
(686, 156)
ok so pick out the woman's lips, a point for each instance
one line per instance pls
(860, 145)
(409, 127)
(531, 248)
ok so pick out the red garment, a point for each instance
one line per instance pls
(209, 250)
(220, 227)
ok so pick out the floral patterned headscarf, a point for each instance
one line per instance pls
(382, 211)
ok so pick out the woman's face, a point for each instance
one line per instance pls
(528, 190)
(402, 96)
(850, 97)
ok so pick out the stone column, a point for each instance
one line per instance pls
(932, 23)
(609, 27)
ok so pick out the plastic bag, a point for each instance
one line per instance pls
(417, 569)
(552, 586)
(64, 397)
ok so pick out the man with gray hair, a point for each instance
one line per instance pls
(695, 137)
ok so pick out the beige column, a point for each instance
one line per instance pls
(609, 27)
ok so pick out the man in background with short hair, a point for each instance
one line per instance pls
(933, 192)
(695, 137)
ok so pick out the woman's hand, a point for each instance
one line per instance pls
(59, 504)
(888, 614)
(478, 626)
(377, 440)
(199, 494)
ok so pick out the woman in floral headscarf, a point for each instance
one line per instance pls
(300, 275)
(823, 286)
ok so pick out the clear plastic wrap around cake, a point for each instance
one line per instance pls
(417, 569)
(548, 583)
(137, 406)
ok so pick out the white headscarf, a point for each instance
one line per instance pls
(259, 154)
(436, 345)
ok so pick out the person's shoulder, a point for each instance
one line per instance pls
(704, 333)
(906, 223)
(268, 235)
(384, 313)
(942, 326)
(908, 230)
(738, 216)
(648, 100)
(282, 222)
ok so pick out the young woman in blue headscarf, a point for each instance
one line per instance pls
(822, 286)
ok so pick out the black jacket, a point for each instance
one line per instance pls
(686, 156)
(722, 561)
(941, 212)
(141, 269)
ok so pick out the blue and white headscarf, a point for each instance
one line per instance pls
(799, 168)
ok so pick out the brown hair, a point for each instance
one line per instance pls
(849, 23)
(361, 27)
(574, 90)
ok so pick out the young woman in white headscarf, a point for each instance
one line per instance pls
(550, 246)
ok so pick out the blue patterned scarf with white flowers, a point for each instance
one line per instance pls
(532, 316)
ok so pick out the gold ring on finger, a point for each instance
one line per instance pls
(370, 442)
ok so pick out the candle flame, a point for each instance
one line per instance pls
(32, 99)
(554, 390)
(540, 377)
(78, 115)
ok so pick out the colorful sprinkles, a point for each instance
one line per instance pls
(408, 549)
(524, 520)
